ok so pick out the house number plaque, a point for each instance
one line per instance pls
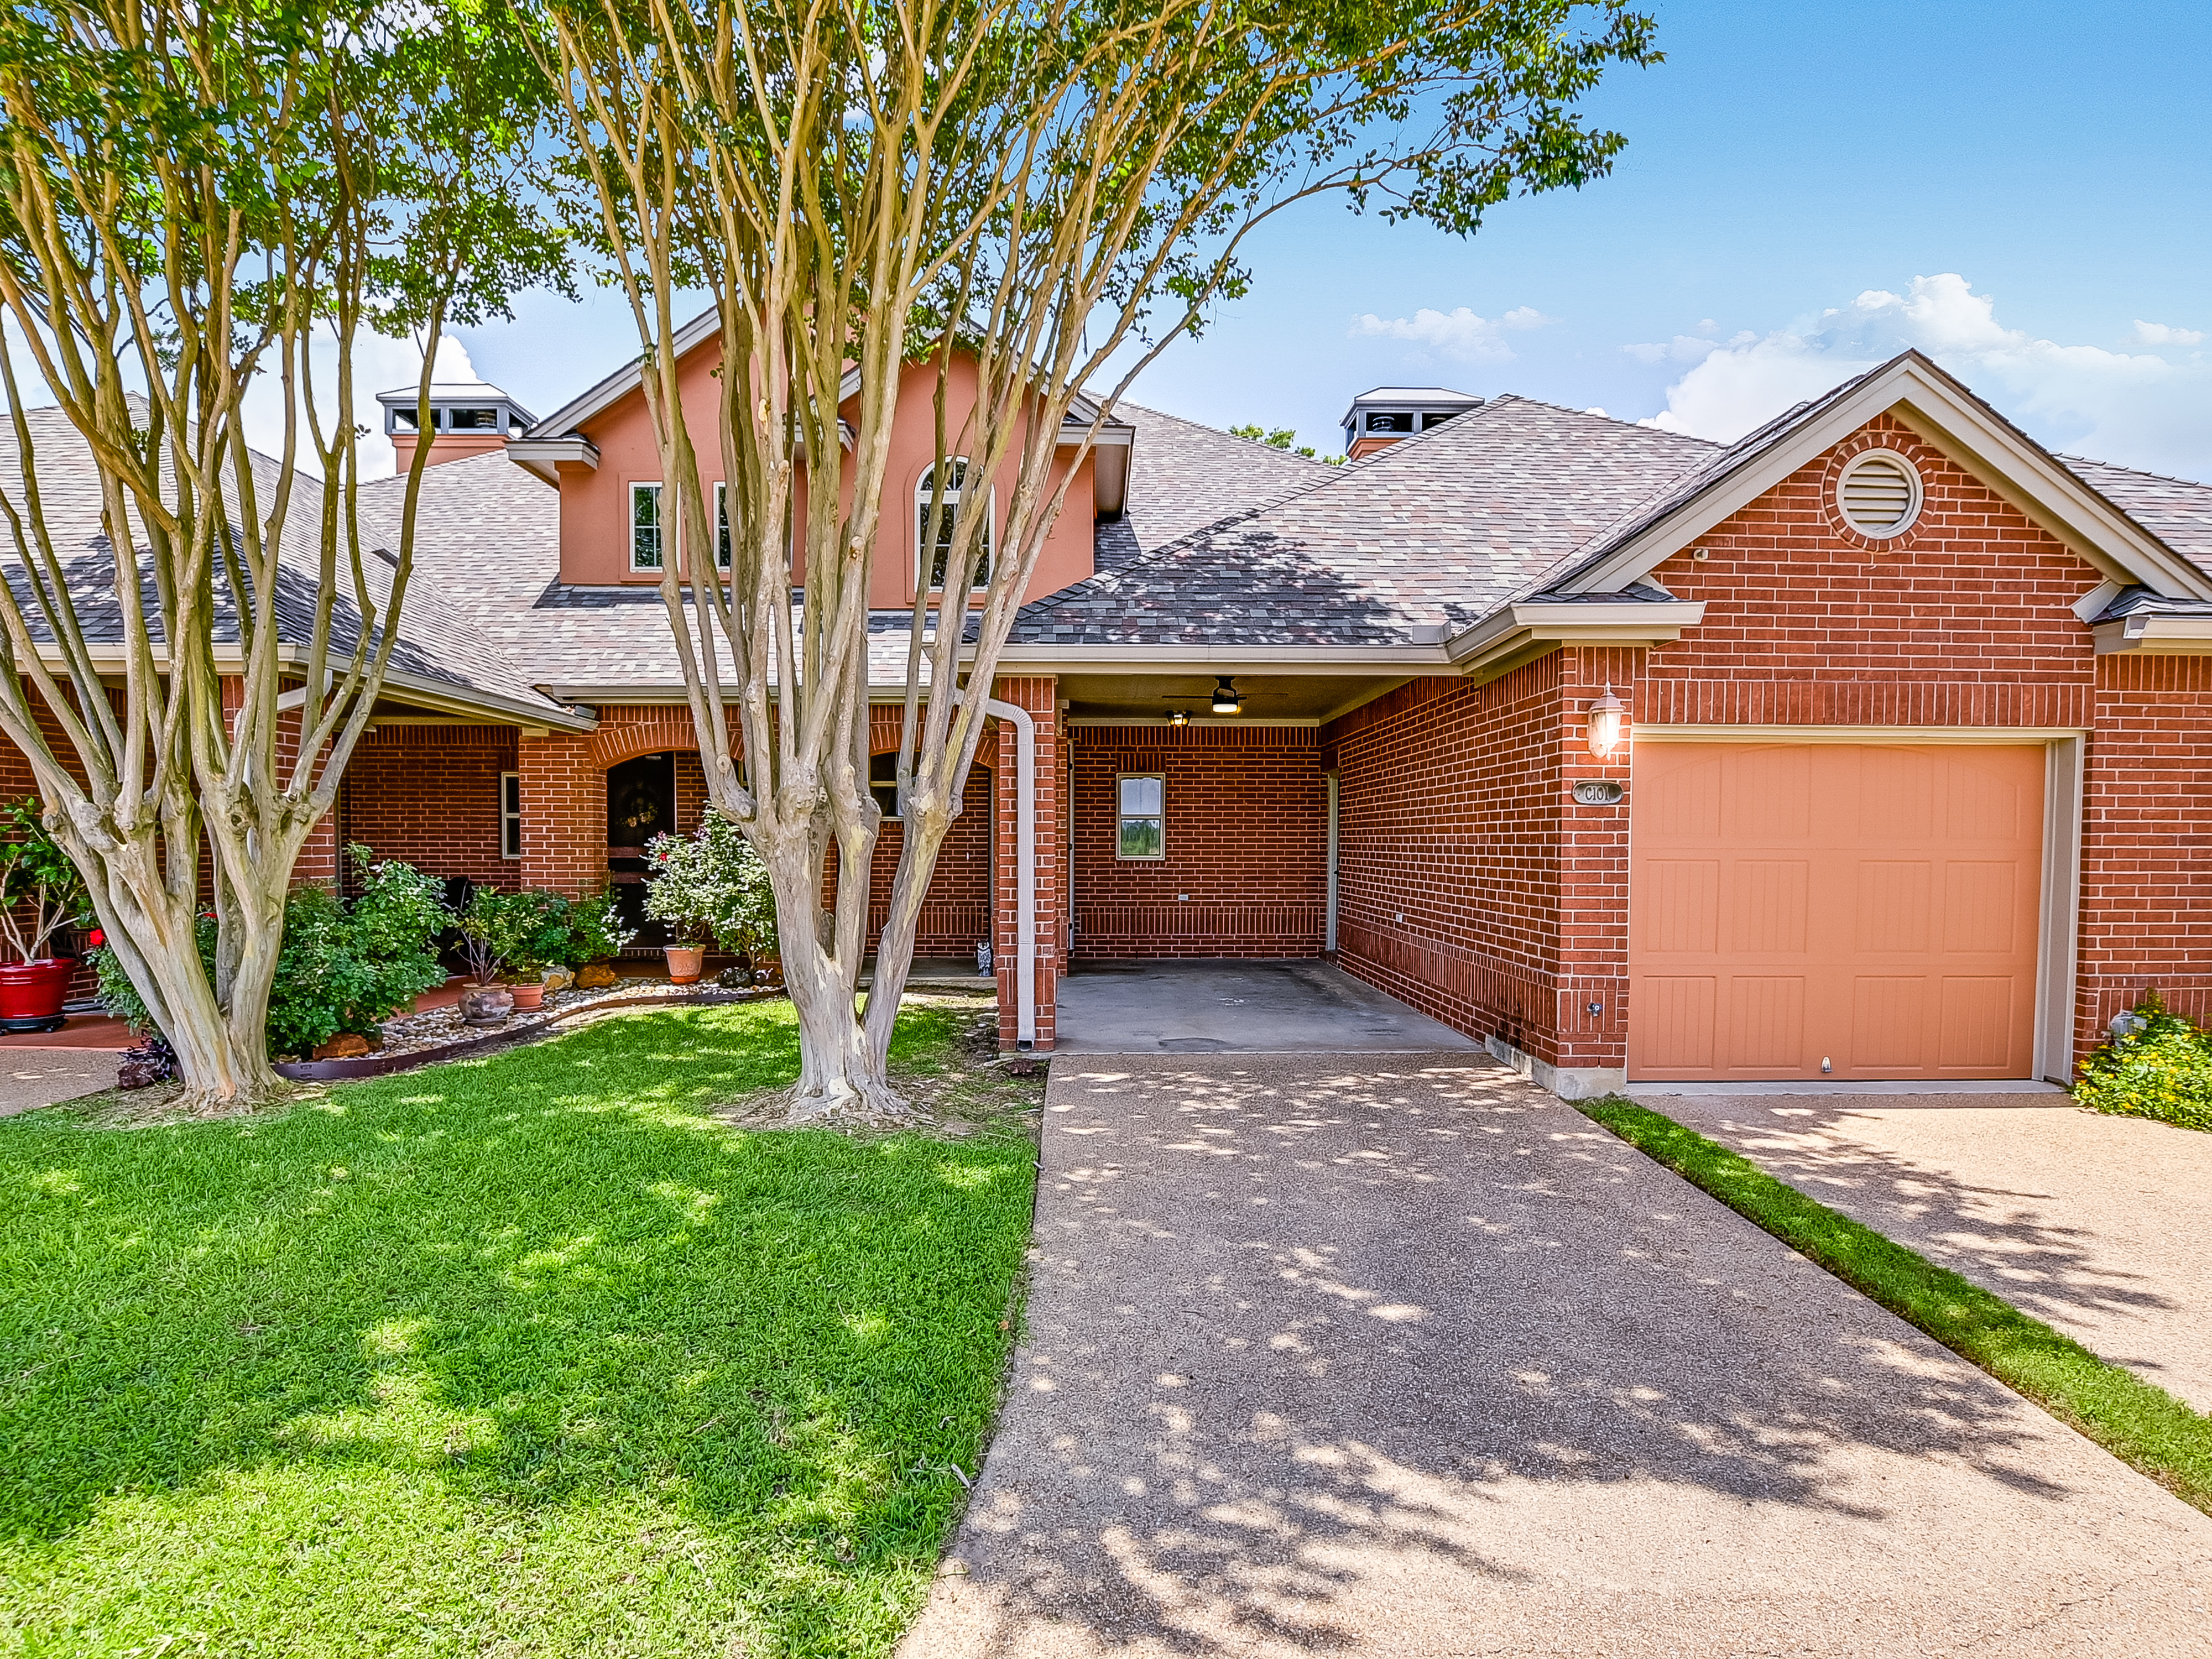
(1598, 792)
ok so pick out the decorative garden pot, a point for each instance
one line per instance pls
(528, 993)
(32, 993)
(487, 1004)
(685, 963)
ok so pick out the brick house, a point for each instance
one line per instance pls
(1914, 720)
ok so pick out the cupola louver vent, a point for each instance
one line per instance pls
(1880, 495)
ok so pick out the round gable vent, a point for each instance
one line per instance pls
(1879, 494)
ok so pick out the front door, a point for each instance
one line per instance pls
(640, 804)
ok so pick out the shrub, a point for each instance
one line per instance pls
(595, 931)
(711, 884)
(2163, 1069)
(342, 967)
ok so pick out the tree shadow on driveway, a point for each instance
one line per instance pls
(1399, 1354)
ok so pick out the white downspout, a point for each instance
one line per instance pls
(1024, 866)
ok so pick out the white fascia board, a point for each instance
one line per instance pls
(2096, 530)
(1518, 628)
(1225, 659)
(2154, 635)
(542, 456)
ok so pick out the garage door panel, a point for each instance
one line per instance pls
(1766, 1026)
(1889, 1023)
(1978, 907)
(1872, 904)
(1891, 911)
(1767, 796)
(1766, 902)
(1977, 1029)
(1682, 1022)
(1683, 914)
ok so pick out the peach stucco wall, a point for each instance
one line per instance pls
(595, 506)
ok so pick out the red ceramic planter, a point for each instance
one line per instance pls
(32, 993)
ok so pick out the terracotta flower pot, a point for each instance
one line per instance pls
(528, 993)
(487, 1004)
(685, 963)
(32, 993)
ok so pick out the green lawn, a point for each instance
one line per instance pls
(531, 1355)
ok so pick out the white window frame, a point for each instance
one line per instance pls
(1122, 818)
(660, 532)
(510, 818)
(925, 557)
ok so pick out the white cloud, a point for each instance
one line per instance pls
(1458, 334)
(1684, 348)
(2135, 408)
(2158, 334)
(380, 364)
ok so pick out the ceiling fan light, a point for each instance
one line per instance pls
(1226, 701)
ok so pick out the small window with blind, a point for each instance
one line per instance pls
(1141, 815)
(1880, 495)
(510, 815)
(645, 527)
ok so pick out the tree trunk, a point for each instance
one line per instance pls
(842, 1076)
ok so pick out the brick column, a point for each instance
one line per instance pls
(1038, 696)
(1593, 937)
(565, 813)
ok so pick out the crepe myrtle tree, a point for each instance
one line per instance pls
(1050, 191)
(197, 199)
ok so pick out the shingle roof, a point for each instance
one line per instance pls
(1185, 476)
(1434, 530)
(2175, 510)
(432, 645)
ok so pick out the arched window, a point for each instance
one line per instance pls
(939, 547)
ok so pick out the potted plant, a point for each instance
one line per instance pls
(41, 893)
(542, 927)
(491, 928)
(709, 886)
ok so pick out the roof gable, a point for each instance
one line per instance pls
(1923, 397)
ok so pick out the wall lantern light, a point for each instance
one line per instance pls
(1178, 717)
(1608, 724)
(1226, 698)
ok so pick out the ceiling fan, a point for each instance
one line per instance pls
(1226, 698)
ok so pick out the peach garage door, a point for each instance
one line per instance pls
(1873, 906)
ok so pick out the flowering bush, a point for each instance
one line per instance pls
(2162, 1069)
(711, 884)
(535, 929)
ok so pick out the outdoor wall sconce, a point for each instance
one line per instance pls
(1178, 717)
(1608, 724)
(1226, 698)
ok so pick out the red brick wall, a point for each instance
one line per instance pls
(1245, 873)
(2146, 843)
(1039, 695)
(1965, 620)
(956, 914)
(429, 795)
(1449, 849)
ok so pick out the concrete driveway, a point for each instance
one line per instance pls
(32, 1078)
(2101, 1226)
(1237, 1007)
(1400, 1356)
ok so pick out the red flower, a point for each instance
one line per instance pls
(96, 938)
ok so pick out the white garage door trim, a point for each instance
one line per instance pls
(2058, 923)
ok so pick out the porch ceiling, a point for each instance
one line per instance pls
(1266, 697)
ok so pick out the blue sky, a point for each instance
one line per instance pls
(2025, 190)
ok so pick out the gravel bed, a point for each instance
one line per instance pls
(441, 1027)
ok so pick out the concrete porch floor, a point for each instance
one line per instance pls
(1237, 1007)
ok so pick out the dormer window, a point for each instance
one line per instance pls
(948, 517)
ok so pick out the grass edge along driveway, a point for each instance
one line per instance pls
(533, 1355)
(2137, 1422)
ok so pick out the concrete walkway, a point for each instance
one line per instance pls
(2101, 1226)
(1298, 1007)
(32, 1078)
(1403, 1357)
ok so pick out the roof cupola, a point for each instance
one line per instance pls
(1380, 417)
(467, 417)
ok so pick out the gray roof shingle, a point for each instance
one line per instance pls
(2175, 510)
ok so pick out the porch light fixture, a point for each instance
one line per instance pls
(1227, 700)
(1608, 724)
(1178, 717)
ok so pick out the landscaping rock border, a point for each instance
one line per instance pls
(514, 1032)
